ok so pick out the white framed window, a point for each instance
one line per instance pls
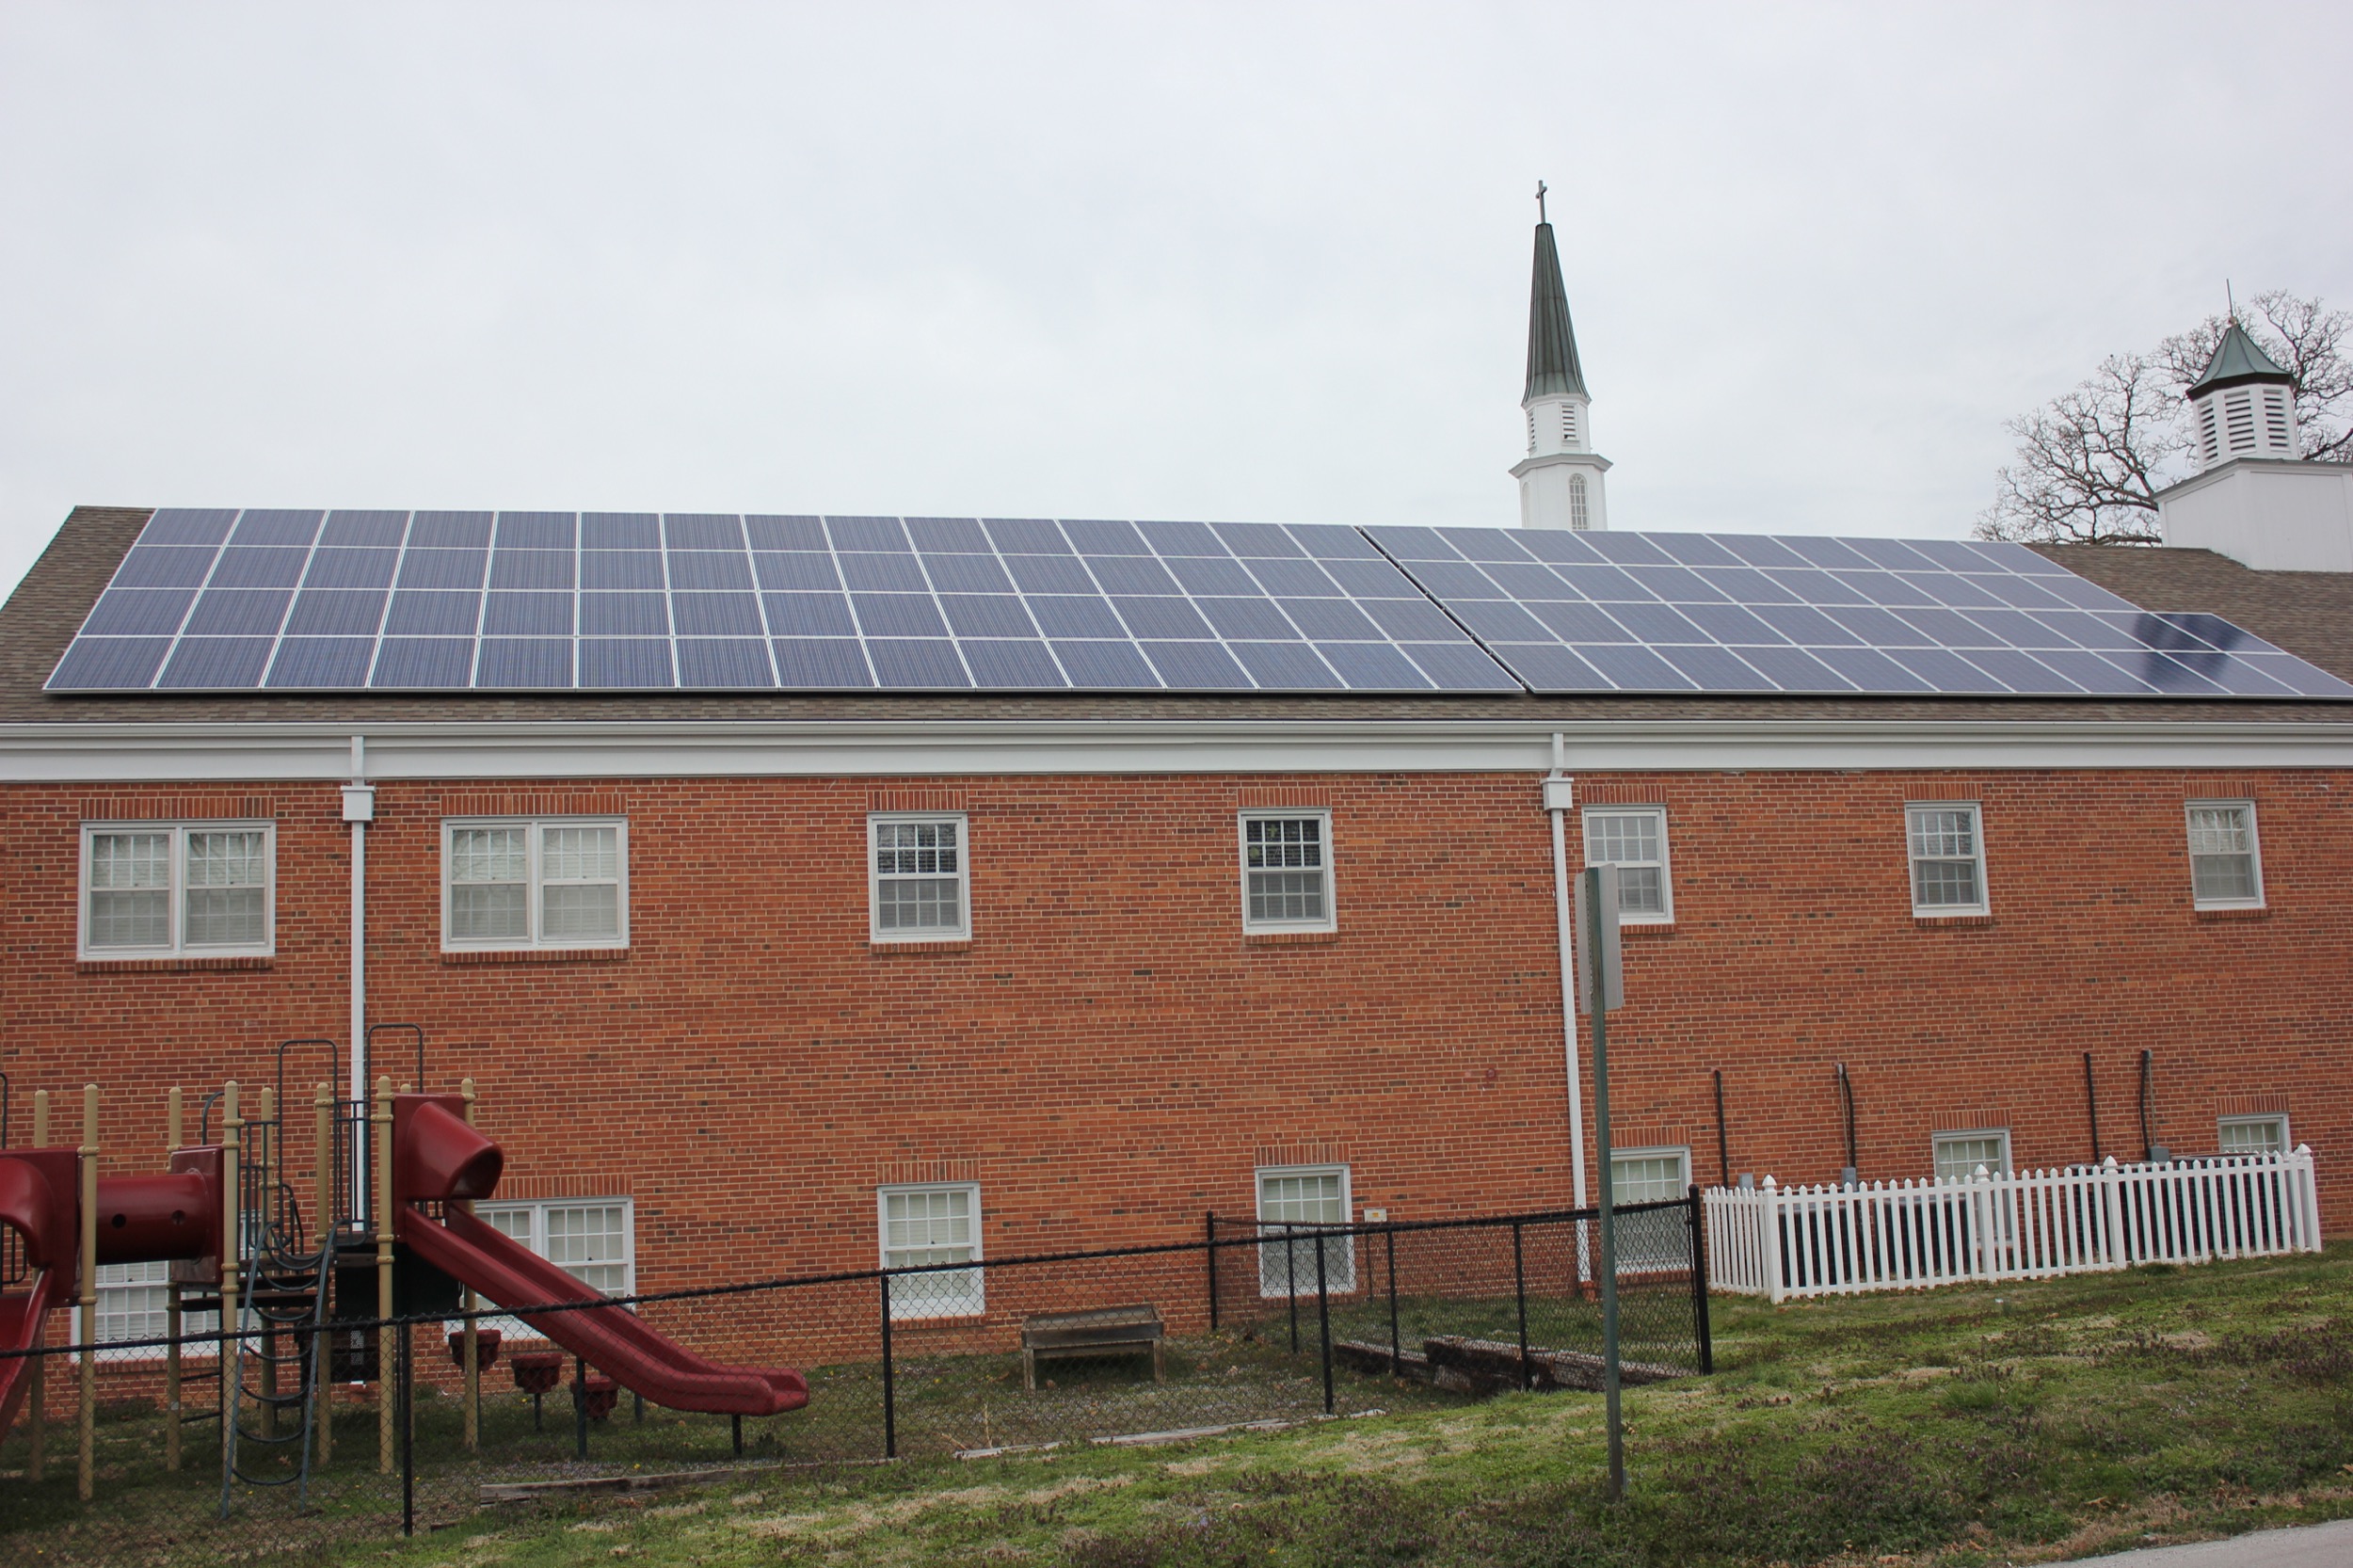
(167, 889)
(553, 881)
(919, 869)
(1287, 870)
(1294, 1203)
(134, 1302)
(928, 1225)
(1947, 858)
(2252, 1134)
(1580, 513)
(1959, 1154)
(1633, 838)
(1650, 1175)
(593, 1239)
(2225, 863)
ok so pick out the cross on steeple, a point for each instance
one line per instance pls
(1540, 189)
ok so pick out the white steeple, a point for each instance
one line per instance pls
(1561, 478)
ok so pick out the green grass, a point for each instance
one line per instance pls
(1967, 1426)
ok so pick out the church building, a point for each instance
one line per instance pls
(801, 890)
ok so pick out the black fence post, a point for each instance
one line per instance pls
(1519, 1295)
(1397, 1362)
(1208, 1235)
(890, 1413)
(735, 1428)
(1323, 1321)
(580, 1408)
(407, 1402)
(1290, 1279)
(1699, 1282)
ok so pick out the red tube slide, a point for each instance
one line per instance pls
(438, 1156)
(33, 1206)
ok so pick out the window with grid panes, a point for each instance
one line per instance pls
(1287, 871)
(1294, 1201)
(553, 882)
(919, 886)
(1654, 1240)
(1633, 838)
(154, 889)
(134, 1302)
(922, 1226)
(1959, 1154)
(2252, 1135)
(1948, 859)
(593, 1239)
(2225, 870)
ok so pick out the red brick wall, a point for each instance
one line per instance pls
(1110, 1054)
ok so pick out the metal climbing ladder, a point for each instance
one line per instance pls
(274, 1365)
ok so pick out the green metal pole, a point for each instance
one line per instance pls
(1609, 1382)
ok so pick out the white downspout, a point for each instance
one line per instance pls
(359, 811)
(1560, 797)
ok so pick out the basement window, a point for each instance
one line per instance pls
(1634, 840)
(558, 882)
(134, 1302)
(2225, 867)
(2252, 1135)
(1295, 1203)
(1948, 858)
(923, 1227)
(593, 1239)
(1959, 1154)
(177, 890)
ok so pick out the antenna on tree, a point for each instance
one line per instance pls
(1540, 189)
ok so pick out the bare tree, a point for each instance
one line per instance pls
(2091, 461)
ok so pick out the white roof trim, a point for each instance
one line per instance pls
(229, 752)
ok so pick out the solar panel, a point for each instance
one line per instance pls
(214, 599)
(1665, 613)
(617, 601)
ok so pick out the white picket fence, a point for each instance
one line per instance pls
(1782, 1241)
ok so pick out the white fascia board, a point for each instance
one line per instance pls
(195, 753)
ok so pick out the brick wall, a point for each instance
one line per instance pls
(1109, 1054)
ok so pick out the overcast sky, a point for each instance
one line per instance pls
(1263, 261)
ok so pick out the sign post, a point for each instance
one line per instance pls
(1601, 989)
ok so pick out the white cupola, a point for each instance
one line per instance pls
(2244, 406)
(2253, 499)
(1561, 478)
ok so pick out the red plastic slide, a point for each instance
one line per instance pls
(31, 1205)
(612, 1339)
(436, 1156)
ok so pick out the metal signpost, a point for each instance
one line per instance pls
(1601, 989)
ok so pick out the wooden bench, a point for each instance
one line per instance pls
(1101, 1331)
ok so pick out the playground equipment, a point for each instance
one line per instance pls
(302, 1289)
(63, 1220)
(439, 1159)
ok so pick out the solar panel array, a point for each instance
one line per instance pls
(1662, 612)
(349, 600)
(212, 601)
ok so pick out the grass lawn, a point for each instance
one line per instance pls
(1968, 1426)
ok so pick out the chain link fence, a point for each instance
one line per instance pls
(1254, 1323)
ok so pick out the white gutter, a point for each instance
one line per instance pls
(1560, 797)
(492, 748)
